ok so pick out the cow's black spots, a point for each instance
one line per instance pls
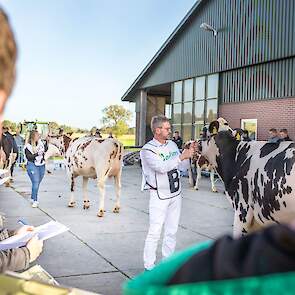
(243, 213)
(277, 168)
(268, 148)
(72, 183)
(244, 231)
(76, 161)
(108, 170)
(85, 145)
(256, 191)
(284, 203)
(260, 218)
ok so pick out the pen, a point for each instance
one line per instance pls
(22, 222)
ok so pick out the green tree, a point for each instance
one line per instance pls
(53, 126)
(115, 119)
(11, 125)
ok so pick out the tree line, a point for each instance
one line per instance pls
(116, 120)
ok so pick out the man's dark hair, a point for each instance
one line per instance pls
(273, 130)
(284, 130)
(8, 52)
(176, 131)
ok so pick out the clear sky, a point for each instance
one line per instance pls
(78, 56)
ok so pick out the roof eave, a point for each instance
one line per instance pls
(126, 96)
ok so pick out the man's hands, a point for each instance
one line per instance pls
(24, 229)
(188, 153)
(35, 247)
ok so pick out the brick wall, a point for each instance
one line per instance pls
(276, 113)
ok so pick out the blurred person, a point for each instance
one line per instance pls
(35, 155)
(177, 139)
(19, 258)
(246, 135)
(273, 136)
(18, 138)
(13, 144)
(284, 135)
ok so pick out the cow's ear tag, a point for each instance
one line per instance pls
(214, 131)
(238, 136)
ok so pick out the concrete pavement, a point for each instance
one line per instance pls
(99, 254)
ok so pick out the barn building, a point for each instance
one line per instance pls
(228, 58)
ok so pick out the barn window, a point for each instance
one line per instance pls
(211, 110)
(200, 88)
(177, 92)
(212, 86)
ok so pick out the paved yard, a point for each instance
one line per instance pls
(100, 254)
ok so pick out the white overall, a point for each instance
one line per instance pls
(161, 176)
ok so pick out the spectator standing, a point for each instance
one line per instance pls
(246, 135)
(12, 142)
(177, 139)
(273, 136)
(284, 135)
(20, 142)
(35, 152)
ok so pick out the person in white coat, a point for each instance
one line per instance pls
(160, 158)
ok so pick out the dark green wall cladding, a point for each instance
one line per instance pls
(263, 81)
(249, 32)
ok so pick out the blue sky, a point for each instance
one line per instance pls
(78, 56)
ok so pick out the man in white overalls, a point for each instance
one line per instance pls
(160, 158)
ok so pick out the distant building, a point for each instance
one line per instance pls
(244, 73)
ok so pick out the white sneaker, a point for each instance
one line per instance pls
(31, 201)
(35, 204)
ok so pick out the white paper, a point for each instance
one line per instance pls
(3, 180)
(43, 232)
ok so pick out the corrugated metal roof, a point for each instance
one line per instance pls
(132, 88)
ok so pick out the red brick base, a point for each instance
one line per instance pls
(276, 113)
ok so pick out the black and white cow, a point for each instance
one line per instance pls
(259, 178)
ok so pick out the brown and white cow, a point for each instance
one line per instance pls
(203, 164)
(92, 157)
(259, 178)
(200, 163)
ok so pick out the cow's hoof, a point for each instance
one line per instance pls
(49, 172)
(100, 213)
(196, 188)
(116, 209)
(86, 204)
(215, 191)
(72, 204)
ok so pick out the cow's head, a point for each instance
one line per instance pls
(60, 141)
(221, 140)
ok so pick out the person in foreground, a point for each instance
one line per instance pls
(13, 259)
(271, 250)
(19, 259)
(160, 159)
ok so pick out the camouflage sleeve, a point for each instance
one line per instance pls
(14, 259)
(4, 234)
